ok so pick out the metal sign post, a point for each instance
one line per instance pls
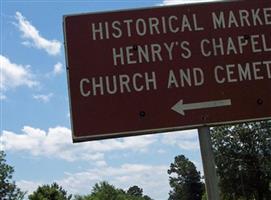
(208, 161)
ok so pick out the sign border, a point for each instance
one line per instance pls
(159, 130)
(113, 135)
(150, 8)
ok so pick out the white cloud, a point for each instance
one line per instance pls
(58, 68)
(45, 98)
(173, 2)
(101, 163)
(28, 186)
(14, 75)
(186, 140)
(33, 37)
(152, 178)
(56, 143)
(2, 96)
(1, 143)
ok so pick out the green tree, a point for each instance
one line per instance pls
(184, 180)
(105, 191)
(80, 197)
(243, 158)
(8, 188)
(50, 192)
(146, 197)
(135, 191)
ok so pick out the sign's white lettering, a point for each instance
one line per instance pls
(182, 50)
(122, 83)
(169, 68)
(142, 27)
(138, 54)
(231, 73)
(244, 18)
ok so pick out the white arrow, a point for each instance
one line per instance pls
(179, 107)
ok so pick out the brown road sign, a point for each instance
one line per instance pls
(168, 68)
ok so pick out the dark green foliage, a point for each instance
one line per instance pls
(50, 192)
(184, 180)
(135, 191)
(79, 197)
(8, 188)
(146, 197)
(105, 191)
(243, 157)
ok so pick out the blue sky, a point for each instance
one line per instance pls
(35, 119)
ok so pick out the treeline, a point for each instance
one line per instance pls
(243, 158)
(102, 190)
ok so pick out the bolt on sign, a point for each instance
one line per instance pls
(168, 68)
